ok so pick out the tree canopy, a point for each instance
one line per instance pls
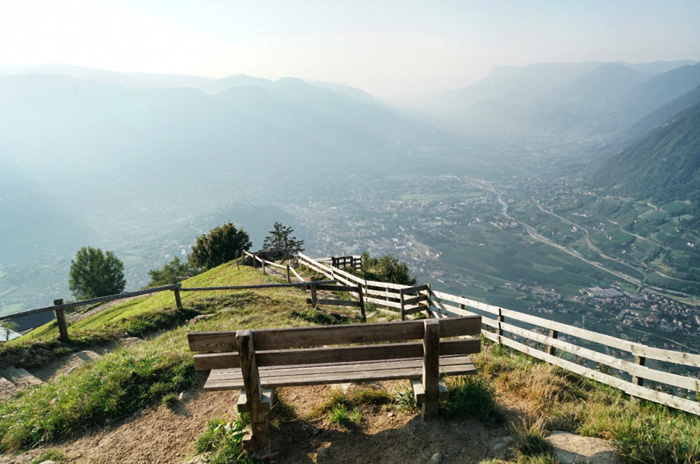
(282, 240)
(170, 270)
(221, 245)
(386, 269)
(94, 273)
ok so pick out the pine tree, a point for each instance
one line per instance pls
(281, 240)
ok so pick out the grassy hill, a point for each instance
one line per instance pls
(662, 166)
(132, 381)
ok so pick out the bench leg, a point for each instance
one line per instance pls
(254, 392)
(431, 368)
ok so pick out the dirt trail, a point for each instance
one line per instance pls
(168, 435)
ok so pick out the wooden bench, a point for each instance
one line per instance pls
(260, 360)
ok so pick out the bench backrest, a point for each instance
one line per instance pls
(309, 345)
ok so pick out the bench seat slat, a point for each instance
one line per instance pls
(284, 376)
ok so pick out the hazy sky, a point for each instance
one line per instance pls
(392, 49)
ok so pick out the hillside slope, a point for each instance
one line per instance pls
(662, 166)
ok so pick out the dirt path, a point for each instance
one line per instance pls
(168, 435)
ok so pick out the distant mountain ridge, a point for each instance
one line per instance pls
(591, 100)
(662, 166)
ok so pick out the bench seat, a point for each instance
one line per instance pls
(329, 373)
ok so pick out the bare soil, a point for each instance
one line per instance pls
(167, 435)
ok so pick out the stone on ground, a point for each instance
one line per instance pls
(7, 389)
(575, 449)
(20, 377)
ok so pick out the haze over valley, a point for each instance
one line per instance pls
(523, 189)
(541, 157)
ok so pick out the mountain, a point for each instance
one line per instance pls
(180, 144)
(662, 114)
(599, 86)
(662, 166)
(582, 100)
(33, 221)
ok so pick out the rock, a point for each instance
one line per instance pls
(576, 449)
(131, 340)
(201, 317)
(20, 377)
(436, 458)
(7, 389)
(324, 454)
(500, 446)
(49, 462)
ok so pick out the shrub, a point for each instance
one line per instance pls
(95, 273)
(472, 397)
(221, 245)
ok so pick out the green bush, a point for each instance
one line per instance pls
(472, 397)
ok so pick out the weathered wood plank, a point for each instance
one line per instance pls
(631, 368)
(338, 288)
(224, 340)
(329, 302)
(419, 392)
(337, 355)
(266, 400)
(251, 382)
(637, 349)
(415, 300)
(271, 339)
(431, 368)
(228, 379)
(416, 289)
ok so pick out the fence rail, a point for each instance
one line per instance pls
(499, 325)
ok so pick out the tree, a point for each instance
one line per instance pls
(170, 270)
(386, 269)
(282, 240)
(95, 273)
(222, 244)
(6, 328)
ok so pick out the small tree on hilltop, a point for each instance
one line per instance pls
(170, 270)
(386, 269)
(95, 273)
(282, 240)
(221, 245)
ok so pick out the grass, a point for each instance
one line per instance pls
(557, 400)
(472, 397)
(345, 416)
(344, 408)
(129, 379)
(222, 442)
(51, 455)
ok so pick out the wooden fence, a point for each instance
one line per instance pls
(568, 347)
(59, 307)
(571, 348)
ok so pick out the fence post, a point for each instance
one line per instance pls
(314, 297)
(263, 266)
(289, 279)
(61, 320)
(428, 292)
(550, 349)
(640, 360)
(176, 291)
(500, 320)
(362, 303)
(401, 297)
(255, 261)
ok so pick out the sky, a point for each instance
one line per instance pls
(395, 50)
